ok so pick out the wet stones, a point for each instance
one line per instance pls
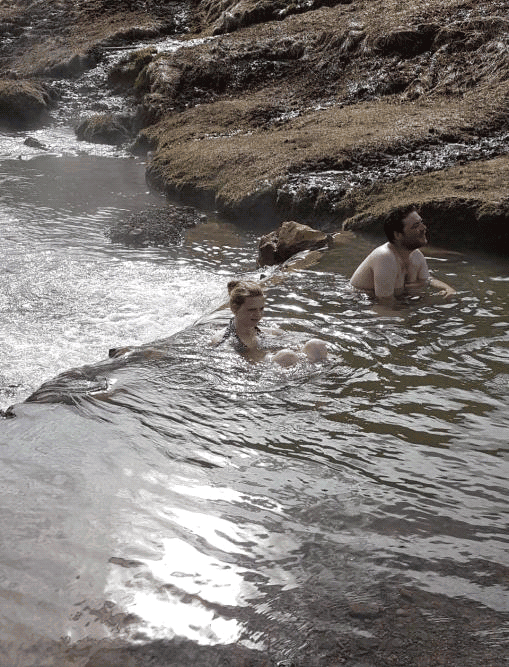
(156, 227)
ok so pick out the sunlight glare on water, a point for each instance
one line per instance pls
(196, 495)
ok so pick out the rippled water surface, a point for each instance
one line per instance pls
(199, 496)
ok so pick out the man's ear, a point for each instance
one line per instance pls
(397, 235)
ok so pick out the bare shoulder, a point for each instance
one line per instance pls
(384, 251)
(218, 337)
(417, 258)
(385, 248)
(383, 254)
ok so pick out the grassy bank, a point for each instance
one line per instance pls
(272, 105)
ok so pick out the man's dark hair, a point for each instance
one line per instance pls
(394, 220)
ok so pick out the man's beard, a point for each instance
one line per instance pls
(414, 245)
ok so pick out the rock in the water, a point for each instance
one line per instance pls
(23, 102)
(113, 129)
(289, 239)
(35, 143)
(156, 227)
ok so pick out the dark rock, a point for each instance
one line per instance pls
(156, 227)
(23, 102)
(35, 143)
(8, 414)
(113, 129)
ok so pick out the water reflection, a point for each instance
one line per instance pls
(193, 494)
(181, 594)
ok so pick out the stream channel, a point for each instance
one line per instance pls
(205, 498)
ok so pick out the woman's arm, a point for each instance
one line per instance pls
(218, 338)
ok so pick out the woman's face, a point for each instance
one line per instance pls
(250, 312)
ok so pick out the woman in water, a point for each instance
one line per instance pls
(247, 303)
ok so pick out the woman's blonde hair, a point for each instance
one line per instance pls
(239, 290)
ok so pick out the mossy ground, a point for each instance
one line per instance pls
(274, 89)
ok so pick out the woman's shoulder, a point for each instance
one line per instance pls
(223, 334)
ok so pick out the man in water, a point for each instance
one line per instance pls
(398, 267)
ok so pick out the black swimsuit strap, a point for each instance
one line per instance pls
(231, 332)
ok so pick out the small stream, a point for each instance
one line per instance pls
(207, 502)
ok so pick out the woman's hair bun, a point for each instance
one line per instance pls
(232, 285)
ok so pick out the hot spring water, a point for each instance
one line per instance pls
(206, 498)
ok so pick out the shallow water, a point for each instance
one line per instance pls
(200, 496)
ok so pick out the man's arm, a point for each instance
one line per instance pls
(424, 274)
(445, 289)
(385, 275)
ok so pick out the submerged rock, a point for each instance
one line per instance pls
(156, 227)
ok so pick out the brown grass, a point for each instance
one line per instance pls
(367, 77)
(73, 29)
(486, 181)
(216, 147)
(455, 85)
